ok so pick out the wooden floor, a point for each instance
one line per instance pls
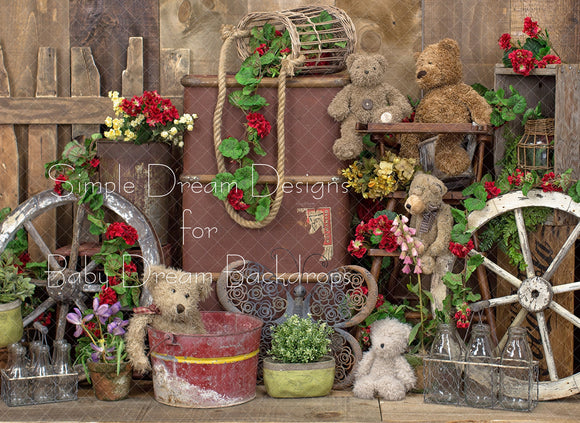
(340, 406)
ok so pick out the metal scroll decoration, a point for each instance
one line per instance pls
(335, 297)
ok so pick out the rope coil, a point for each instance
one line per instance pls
(229, 35)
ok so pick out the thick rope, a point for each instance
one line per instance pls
(229, 34)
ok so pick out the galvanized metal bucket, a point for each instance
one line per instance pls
(216, 369)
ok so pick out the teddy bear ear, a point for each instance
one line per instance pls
(416, 55)
(351, 58)
(450, 45)
(204, 285)
(439, 187)
(382, 60)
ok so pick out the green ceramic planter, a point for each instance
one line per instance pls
(11, 328)
(298, 380)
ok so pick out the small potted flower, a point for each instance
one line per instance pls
(15, 287)
(299, 362)
(101, 349)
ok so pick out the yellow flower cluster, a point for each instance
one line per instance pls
(377, 179)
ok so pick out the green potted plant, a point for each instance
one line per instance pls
(299, 362)
(15, 287)
(101, 348)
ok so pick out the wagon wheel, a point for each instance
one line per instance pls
(535, 292)
(67, 286)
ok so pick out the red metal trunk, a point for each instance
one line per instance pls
(314, 219)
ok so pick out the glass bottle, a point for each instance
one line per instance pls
(447, 351)
(17, 372)
(515, 380)
(43, 386)
(65, 385)
(33, 349)
(480, 371)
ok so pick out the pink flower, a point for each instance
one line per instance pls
(406, 269)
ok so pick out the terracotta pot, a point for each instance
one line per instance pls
(107, 384)
(11, 328)
(298, 380)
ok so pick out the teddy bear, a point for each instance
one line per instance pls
(446, 100)
(365, 99)
(383, 369)
(175, 296)
(432, 219)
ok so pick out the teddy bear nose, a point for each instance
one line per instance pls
(366, 72)
(408, 206)
(421, 74)
(382, 345)
(180, 308)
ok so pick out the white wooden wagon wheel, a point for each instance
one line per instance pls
(67, 286)
(535, 292)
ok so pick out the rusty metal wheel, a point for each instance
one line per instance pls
(67, 286)
(537, 290)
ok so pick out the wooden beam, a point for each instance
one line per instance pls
(85, 81)
(174, 66)
(61, 111)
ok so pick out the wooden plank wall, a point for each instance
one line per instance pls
(182, 36)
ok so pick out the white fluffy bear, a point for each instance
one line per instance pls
(383, 370)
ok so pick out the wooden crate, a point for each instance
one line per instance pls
(558, 89)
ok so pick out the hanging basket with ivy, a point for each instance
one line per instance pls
(324, 35)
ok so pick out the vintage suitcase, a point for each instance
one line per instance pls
(311, 232)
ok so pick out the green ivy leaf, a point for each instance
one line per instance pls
(459, 216)
(222, 184)
(246, 177)
(472, 204)
(263, 209)
(268, 58)
(496, 119)
(234, 149)
(459, 234)
(389, 213)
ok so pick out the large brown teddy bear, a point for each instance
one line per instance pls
(446, 100)
(433, 221)
(175, 296)
(366, 99)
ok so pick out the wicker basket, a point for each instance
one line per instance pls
(322, 54)
(536, 148)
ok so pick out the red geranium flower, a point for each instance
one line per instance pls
(121, 229)
(113, 280)
(356, 248)
(235, 198)
(461, 250)
(505, 41)
(531, 28)
(286, 50)
(388, 242)
(522, 61)
(107, 295)
(130, 268)
(491, 189)
(259, 123)
(92, 327)
(94, 162)
(262, 49)
(516, 178)
(551, 59)
(58, 183)
(548, 184)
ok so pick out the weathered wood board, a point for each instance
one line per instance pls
(195, 25)
(476, 25)
(43, 148)
(9, 163)
(544, 245)
(391, 28)
(105, 27)
(85, 82)
(567, 133)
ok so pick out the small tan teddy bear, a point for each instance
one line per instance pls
(383, 369)
(446, 100)
(366, 99)
(175, 295)
(433, 221)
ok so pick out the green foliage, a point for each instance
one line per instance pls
(300, 340)
(387, 310)
(459, 292)
(234, 149)
(13, 285)
(506, 109)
